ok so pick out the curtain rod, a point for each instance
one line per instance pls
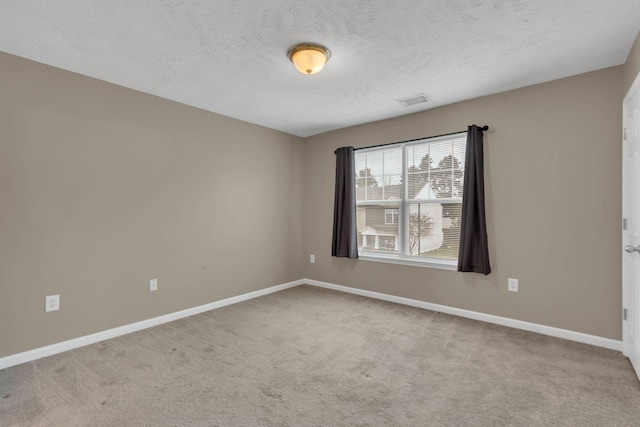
(482, 128)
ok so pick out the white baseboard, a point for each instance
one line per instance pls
(38, 353)
(489, 318)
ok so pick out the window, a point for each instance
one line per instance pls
(409, 200)
(391, 216)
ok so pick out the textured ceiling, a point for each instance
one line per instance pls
(229, 57)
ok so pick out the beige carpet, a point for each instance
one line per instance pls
(313, 357)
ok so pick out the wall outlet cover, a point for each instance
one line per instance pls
(51, 303)
(153, 285)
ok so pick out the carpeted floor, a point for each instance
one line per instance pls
(314, 357)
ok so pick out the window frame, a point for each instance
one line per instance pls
(403, 257)
(394, 213)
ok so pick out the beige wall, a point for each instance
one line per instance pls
(553, 165)
(632, 66)
(103, 188)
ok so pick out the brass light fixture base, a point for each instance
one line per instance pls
(309, 58)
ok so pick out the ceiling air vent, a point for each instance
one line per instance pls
(413, 100)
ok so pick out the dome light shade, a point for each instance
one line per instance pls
(309, 58)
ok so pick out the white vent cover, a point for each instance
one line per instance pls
(413, 100)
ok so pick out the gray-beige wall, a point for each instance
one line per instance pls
(632, 66)
(103, 188)
(553, 173)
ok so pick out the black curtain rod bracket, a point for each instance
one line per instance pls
(482, 128)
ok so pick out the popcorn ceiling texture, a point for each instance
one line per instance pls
(229, 57)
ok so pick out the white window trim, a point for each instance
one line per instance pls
(441, 264)
(403, 259)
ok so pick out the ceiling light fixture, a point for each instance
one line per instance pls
(309, 58)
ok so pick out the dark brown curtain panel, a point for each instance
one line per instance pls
(345, 238)
(473, 255)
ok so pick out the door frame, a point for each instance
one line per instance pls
(626, 304)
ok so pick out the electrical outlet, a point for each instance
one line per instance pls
(52, 303)
(312, 259)
(153, 285)
(513, 285)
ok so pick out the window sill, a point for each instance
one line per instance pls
(439, 264)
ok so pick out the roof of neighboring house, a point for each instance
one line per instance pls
(380, 230)
(387, 192)
(426, 192)
(417, 190)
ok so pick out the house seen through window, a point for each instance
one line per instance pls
(409, 199)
